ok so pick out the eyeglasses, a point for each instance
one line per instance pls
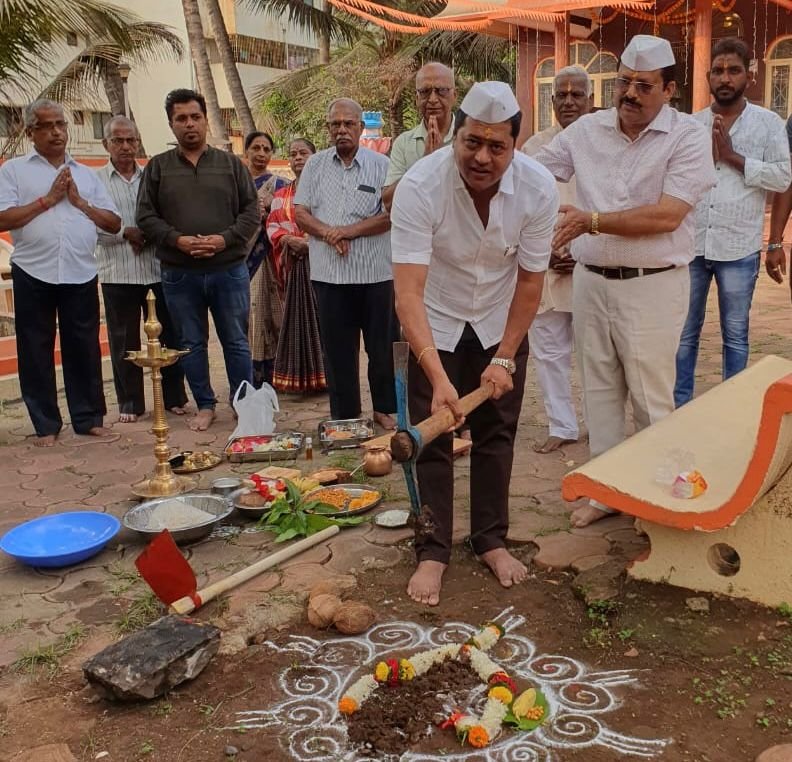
(59, 125)
(348, 124)
(644, 88)
(124, 141)
(426, 92)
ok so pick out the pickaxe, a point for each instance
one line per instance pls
(408, 441)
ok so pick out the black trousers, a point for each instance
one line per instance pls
(493, 426)
(76, 306)
(124, 305)
(344, 312)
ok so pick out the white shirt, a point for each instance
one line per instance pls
(730, 218)
(557, 289)
(117, 260)
(58, 245)
(671, 156)
(472, 270)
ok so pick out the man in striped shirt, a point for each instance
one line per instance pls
(339, 204)
(128, 268)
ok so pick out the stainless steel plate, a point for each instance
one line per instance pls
(138, 518)
(286, 446)
(346, 433)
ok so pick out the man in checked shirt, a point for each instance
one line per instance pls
(633, 236)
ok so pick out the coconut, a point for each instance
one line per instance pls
(353, 617)
(322, 610)
(333, 586)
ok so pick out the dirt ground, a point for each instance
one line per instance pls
(715, 686)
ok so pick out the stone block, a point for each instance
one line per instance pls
(153, 660)
(780, 753)
(52, 752)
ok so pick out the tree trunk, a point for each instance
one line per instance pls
(114, 91)
(233, 79)
(324, 39)
(203, 72)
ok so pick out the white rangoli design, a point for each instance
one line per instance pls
(313, 729)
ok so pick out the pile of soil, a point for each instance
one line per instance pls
(396, 718)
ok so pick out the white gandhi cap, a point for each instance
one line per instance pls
(490, 102)
(648, 53)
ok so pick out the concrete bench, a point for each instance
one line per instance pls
(736, 538)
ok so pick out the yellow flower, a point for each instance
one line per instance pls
(478, 737)
(347, 705)
(502, 694)
(381, 672)
(406, 670)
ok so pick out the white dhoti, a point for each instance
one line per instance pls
(551, 340)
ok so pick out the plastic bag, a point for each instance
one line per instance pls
(255, 411)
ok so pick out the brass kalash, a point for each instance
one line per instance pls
(164, 483)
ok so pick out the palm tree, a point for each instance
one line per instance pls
(203, 71)
(29, 27)
(223, 42)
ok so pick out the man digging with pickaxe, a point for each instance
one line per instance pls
(471, 231)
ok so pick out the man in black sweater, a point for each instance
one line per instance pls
(198, 205)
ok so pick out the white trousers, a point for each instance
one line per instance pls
(627, 334)
(551, 339)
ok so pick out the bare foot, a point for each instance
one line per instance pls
(48, 440)
(387, 421)
(505, 566)
(551, 444)
(425, 583)
(177, 410)
(587, 514)
(127, 418)
(202, 420)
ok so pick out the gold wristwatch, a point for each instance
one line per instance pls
(594, 225)
(507, 364)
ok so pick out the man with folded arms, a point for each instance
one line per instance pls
(632, 237)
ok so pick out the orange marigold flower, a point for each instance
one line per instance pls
(347, 705)
(478, 737)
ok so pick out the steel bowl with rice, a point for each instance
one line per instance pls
(186, 517)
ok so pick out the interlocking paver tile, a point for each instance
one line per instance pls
(558, 551)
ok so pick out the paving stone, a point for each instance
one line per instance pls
(558, 551)
(626, 536)
(780, 753)
(300, 578)
(319, 554)
(589, 562)
(51, 752)
(600, 583)
(525, 524)
(384, 536)
(603, 526)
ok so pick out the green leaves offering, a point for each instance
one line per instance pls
(293, 516)
(528, 706)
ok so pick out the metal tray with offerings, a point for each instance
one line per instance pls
(343, 434)
(265, 447)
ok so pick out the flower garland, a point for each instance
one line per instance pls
(526, 711)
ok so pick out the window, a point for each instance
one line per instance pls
(99, 120)
(256, 51)
(10, 120)
(71, 39)
(778, 83)
(601, 67)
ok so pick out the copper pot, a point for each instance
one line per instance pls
(377, 461)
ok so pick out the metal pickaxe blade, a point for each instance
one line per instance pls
(401, 361)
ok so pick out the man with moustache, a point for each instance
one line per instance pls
(641, 167)
(339, 204)
(471, 236)
(53, 206)
(128, 270)
(199, 207)
(435, 95)
(551, 336)
(751, 153)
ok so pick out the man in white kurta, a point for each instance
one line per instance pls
(470, 236)
(551, 335)
(641, 168)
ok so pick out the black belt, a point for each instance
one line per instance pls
(626, 273)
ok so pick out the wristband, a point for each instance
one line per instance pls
(42, 203)
(774, 246)
(594, 224)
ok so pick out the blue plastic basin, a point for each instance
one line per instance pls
(60, 540)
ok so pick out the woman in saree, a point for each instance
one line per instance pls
(266, 310)
(299, 366)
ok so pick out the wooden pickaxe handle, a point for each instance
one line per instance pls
(402, 445)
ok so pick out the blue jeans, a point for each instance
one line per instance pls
(736, 281)
(226, 294)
